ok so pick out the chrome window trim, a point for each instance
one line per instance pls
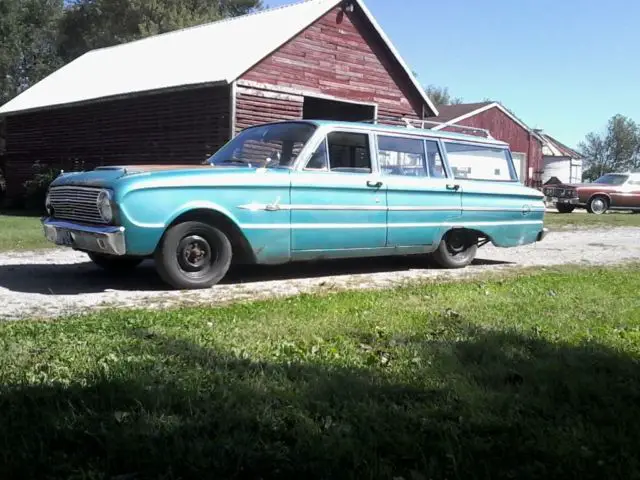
(376, 129)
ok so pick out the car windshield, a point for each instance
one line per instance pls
(275, 145)
(612, 179)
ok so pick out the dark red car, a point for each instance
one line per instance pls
(613, 191)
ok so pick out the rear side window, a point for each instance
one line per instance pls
(401, 156)
(410, 157)
(479, 162)
(434, 160)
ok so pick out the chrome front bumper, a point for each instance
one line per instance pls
(101, 239)
(561, 200)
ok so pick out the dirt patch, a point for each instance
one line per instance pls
(59, 282)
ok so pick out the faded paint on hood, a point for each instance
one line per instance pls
(106, 176)
(131, 169)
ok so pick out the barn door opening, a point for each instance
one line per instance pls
(323, 109)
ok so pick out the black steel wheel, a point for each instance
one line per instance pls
(457, 249)
(193, 255)
(114, 263)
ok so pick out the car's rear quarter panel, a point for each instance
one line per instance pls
(508, 213)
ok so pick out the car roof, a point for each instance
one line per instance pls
(398, 130)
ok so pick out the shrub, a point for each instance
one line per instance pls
(3, 186)
(36, 187)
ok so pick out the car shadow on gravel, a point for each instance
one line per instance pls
(83, 278)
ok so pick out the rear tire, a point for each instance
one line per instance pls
(565, 208)
(193, 255)
(114, 263)
(456, 250)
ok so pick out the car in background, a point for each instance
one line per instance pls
(613, 191)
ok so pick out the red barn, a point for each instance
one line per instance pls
(525, 143)
(179, 96)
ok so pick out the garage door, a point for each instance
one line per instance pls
(520, 164)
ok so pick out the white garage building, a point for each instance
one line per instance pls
(560, 161)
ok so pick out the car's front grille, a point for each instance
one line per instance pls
(76, 203)
(559, 192)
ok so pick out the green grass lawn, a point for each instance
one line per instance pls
(534, 376)
(21, 233)
(586, 220)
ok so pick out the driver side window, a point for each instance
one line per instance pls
(342, 152)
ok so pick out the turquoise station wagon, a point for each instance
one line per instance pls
(300, 190)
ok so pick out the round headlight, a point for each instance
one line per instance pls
(104, 206)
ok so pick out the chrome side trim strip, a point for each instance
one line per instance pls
(256, 207)
(355, 226)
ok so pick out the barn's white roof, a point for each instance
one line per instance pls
(554, 148)
(217, 52)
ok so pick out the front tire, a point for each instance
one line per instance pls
(193, 255)
(598, 205)
(114, 263)
(456, 250)
(565, 208)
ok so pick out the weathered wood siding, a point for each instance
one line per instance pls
(340, 56)
(255, 105)
(503, 128)
(175, 127)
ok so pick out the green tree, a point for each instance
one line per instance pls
(617, 149)
(28, 32)
(39, 36)
(441, 96)
(89, 24)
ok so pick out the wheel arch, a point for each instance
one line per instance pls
(242, 251)
(478, 233)
(599, 194)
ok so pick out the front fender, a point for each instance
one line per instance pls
(147, 213)
(144, 230)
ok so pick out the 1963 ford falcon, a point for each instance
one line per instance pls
(300, 190)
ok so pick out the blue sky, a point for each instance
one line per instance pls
(565, 66)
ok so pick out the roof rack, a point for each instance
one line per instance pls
(422, 124)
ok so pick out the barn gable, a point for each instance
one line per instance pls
(340, 56)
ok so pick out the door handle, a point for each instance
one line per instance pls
(373, 184)
(453, 187)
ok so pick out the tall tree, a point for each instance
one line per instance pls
(89, 24)
(615, 149)
(28, 30)
(441, 96)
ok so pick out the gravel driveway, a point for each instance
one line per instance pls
(57, 282)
